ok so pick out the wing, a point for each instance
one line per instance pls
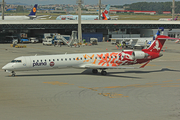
(109, 67)
(105, 67)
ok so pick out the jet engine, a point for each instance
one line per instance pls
(139, 55)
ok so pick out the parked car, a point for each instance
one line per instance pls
(10, 39)
(33, 40)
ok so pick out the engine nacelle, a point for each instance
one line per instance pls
(139, 55)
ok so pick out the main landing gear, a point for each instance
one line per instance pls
(13, 74)
(95, 71)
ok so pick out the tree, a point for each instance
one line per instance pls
(20, 9)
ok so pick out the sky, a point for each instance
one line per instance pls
(92, 2)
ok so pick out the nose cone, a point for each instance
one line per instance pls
(7, 67)
(4, 68)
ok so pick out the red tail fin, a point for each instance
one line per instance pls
(104, 16)
(157, 45)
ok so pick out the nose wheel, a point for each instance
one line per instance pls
(13, 74)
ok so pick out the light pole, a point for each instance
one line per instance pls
(2, 9)
(173, 9)
(79, 2)
(99, 9)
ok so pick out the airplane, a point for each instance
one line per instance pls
(138, 42)
(31, 16)
(168, 19)
(85, 17)
(94, 61)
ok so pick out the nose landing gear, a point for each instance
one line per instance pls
(13, 74)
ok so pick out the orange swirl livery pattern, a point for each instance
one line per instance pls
(110, 59)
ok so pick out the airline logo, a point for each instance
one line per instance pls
(51, 64)
(105, 12)
(39, 64)
(34, 9)
(157, 46)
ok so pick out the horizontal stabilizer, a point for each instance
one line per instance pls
(145, 64)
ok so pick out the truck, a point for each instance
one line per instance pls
(48, 40)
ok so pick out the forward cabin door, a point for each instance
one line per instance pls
(27, 62)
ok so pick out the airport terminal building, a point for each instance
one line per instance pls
(101, 29)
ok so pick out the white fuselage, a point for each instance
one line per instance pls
(110, 59)
(15, 18)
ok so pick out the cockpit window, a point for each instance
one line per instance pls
(16, 61)
(13, 61)
(19, 61)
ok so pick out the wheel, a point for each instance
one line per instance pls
(103, 73)
(95, 71)
(13, 75)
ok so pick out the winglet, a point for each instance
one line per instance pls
(145, 64)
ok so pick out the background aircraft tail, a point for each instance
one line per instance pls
(157, 44)
(176, 18)
(105, 13)
(33, 11)
(159, 32)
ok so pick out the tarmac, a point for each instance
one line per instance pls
(151, 93)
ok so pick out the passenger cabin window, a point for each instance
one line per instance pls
(61, 59)
(45, 60)
(41, 60)
(69, 58)
(33, 60)
(49, 60)
(57, 59)
(66, 59)
(95, 57)
(81, 58)
(73, 58)
(37, 60)
(53, 59)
